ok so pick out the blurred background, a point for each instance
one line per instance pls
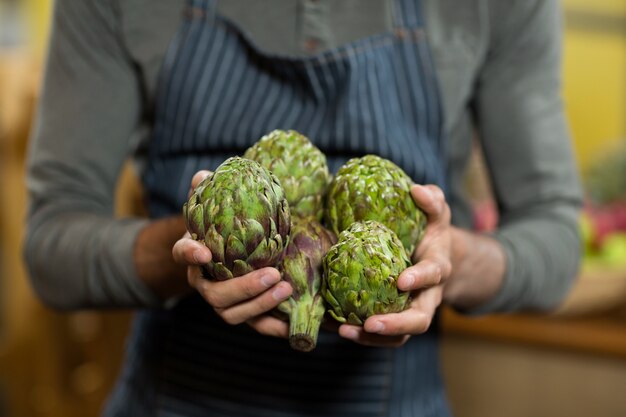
(569, 363)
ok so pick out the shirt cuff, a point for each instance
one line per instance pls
(542, 261)
(123, 287)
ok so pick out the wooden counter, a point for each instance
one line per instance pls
(592, 319)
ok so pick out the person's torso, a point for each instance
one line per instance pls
(458, 37)
(218, 93)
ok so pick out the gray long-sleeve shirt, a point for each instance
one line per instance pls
(498, 64)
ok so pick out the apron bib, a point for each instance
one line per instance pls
(218, 94)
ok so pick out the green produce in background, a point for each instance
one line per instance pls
(299, 166)
(374, 188)
(361, 273)
(302, 268)
(241, 214)
(605, 179)
(613, 251)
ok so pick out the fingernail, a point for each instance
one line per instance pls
(377, 327)
(269, 280)
(281, 292)
(201, 257)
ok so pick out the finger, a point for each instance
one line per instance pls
(397, 324)
(224, 294)
(199, 176)
(430, 271)
(427, 301)
(435, 243)
(269, 326)
(414, 320)
(435, 247)
(431, 199)
(187, 251)
(261, 304)
(359, 335)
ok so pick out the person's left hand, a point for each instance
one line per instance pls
(425, 279)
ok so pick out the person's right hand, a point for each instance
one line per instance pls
(244, 299)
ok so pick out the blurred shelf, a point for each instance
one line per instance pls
(595, 335)
(598, 290)
(591, 320)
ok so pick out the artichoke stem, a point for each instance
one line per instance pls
(304, 323)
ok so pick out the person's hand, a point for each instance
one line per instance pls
(424, 280)
(244, 299)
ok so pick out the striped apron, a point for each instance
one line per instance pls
(218, 94)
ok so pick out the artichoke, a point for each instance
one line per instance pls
(241, 214)
(373, 188)
(302, 268)
(361, 273)
(300, 167)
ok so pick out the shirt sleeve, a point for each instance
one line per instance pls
(78, 255)
(525, 139)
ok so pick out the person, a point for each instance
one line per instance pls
(412, 81)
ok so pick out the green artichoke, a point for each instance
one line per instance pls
(300, 167)
(302, 268)
(361, 273)
(374, 188)
(241, 214)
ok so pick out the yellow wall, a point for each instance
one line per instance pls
(595, 75)
(38, 12)
(599, 6)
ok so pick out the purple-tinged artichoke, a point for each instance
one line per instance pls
(374, 188)
(241, 214)
(302, 268)
(361, 273)
(299, 166)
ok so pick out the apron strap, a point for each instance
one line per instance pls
(201, 4)
(407, 13)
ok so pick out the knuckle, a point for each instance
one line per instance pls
(266, 303)
(229, 317)
(437, 273)
(176, 251)
(447, 213)
(191, 278)
(260, 326)
(441, 268)
(181, 253)
(219, 302)
(437, 192)
(209, 297)
(424, 324)
(247, 286)
(213, 298)
(184, 247)
(263, 328)
(447, 268)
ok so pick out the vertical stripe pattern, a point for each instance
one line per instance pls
(218, 95)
